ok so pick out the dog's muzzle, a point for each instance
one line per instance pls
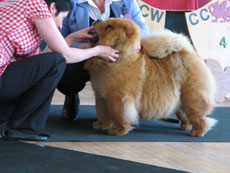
(95, 38)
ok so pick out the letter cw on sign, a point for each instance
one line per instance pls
(155, 14)
(193, 17)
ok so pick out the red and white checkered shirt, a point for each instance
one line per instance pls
(19, 37)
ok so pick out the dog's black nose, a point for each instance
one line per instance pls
(95, 38)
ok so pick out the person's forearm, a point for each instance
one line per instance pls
(57, 43)
(78, 55)
(70, 40)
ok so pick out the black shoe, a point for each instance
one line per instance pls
(10, 134)
(71, 107)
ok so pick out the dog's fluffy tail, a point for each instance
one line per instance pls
(163, 43)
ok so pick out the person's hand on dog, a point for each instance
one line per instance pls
(108, 53)
(80, 35)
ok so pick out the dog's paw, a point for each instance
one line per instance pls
(101, 126)
(96, 125)
(185, 126)
(210, 122)
(116, 132)
(119, 131)
(196, 133)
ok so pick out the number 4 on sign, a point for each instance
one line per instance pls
(223, 42)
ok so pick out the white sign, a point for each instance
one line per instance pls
(154, 17)
(209, 29)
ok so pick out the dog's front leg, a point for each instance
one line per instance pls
(103, 122)
(118, 111)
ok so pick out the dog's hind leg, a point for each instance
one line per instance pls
(196, 110)
(103, 122)
(184, 121)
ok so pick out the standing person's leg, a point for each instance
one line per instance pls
(30, 84)
(72, 82)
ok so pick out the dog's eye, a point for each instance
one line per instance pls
(109, 26)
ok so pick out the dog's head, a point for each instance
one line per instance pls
(121, 34)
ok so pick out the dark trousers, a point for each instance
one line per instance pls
(176, 21)
(73, 79)
(26, 91)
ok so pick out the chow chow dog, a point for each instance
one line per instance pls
(166, 76)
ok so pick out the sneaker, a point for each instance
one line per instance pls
(71, 107)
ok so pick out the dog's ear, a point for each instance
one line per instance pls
(129, 29)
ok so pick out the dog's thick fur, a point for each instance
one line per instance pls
(166, 76)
